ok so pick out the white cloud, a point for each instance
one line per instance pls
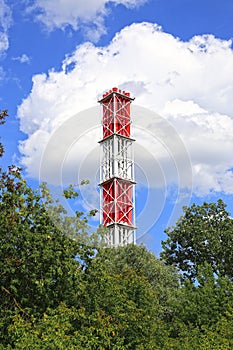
(22, 59)
(208, 138)
(182, 81)
(87, 14)
(5, 23)
(4, 44)
(5, 16)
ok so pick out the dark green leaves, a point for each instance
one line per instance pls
(203, 234)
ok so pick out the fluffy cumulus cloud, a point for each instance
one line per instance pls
(208, 139)
(189, 84)
(5, 23)
(88, 14)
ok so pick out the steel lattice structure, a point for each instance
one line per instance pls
(117, 169)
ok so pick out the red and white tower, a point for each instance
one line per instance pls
(117, 169)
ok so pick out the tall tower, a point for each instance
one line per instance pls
(117, 169)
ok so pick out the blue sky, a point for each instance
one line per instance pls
(175, 57)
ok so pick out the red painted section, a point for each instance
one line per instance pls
(117, 194)
(117, 202)
(116, 113)
(108, 203)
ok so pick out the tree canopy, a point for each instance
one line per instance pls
(203, 234)
(61, 288)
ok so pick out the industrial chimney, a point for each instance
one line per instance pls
(117, 169)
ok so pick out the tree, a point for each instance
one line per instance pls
(60, 289)
(39, 264)
(41, 250)
(130, 285)
(163, 279)
(203, 317)
(3, 115)
(120, 308)
(204, 234)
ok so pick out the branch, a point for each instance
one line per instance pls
(15, 301)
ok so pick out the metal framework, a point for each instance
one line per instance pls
(117, 169)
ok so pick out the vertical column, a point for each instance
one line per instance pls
(117, 174)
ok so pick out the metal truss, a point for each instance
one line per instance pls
(117, 158)
(117, 169)
(117, 202)
(116, 116)
(120, 235)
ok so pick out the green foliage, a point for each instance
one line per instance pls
(70, 192)
(216, 337)
(119, 309)
(65, 328)
(127, 284)
(3, 115)
(203, 234)
(38, 268)
(204, 303)
(61, 288)
(163, 279)
(200, 247)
